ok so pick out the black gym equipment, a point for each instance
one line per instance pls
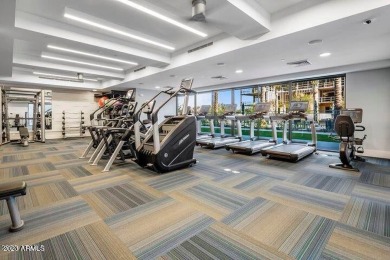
(24, 135)
(9, 192)
(169, 145)
(98, 121)
(345, 127)
(289, 150)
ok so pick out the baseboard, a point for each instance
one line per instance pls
(376, 154)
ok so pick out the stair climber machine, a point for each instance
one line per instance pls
(202, 115)
(218, 142)
(98, 122)
(289, 150)
(126, 147)
(169, 145)
(254, 145)
(345, 127)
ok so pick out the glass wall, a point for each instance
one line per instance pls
(204, 98)
(326, 96)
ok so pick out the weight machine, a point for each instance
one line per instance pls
(35, 97)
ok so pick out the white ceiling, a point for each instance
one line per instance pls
(280, 30)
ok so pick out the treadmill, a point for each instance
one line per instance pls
(254, 145)
(218, 142)
(202, 115)
(289, 150)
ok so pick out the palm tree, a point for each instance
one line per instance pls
(316, 97)
(215, 101)
(338, 92)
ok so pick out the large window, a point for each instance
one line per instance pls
(326, 96)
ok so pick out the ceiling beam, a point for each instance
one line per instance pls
(56, 29)
(35, 63)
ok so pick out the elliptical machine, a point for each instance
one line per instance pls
(345, 127)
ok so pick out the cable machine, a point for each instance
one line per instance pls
(34, 97)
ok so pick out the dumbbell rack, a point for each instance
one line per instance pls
(70, 128)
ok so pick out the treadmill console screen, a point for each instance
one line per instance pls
(186, 83)
(298, 106)
(262, 107)
(356, 114)
(129, 94)
(148, 109)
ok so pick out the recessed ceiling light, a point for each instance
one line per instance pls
(162, 17)
(94, 90)
(312, 42)
(325, 54)
(157, 87)
(110, 29)
(61, 76)
(239, 71)
(90, 54)
(81, 62)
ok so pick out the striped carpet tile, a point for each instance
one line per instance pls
(294, 232)
(157, 227)
(217, 196)
(319, 202)
(111, 201)
(36, 168)
(374, 193)
(64, 164)
(368, 215)
(75, 172)
(324, 182)
(233, 177)
(256, 184)
(173, 181)
(42, 195)
(48, 221)
(221, 242)
(83, 243)
(347, 242)
(98, 181)
(22, 156)
(280, 173)
(377, 178)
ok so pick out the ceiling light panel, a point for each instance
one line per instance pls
(90, 54)
(61, 76)
(162, 17)
(99, 25)
(80, 62)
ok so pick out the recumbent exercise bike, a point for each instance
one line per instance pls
(345, 127)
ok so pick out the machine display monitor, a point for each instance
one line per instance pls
(356, 114)
(148, 109)
(298, 106)
(130, 93)
(187, 83)
(262, 107)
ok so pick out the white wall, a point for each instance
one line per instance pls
(370, 90)
(72, 102)
(143, 95)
